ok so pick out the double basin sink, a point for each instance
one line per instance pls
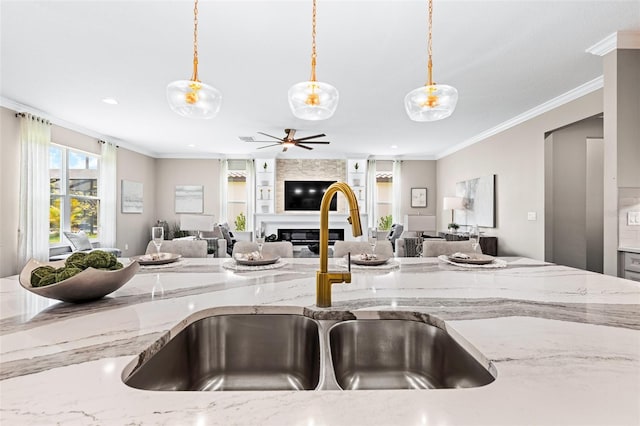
(249, 352)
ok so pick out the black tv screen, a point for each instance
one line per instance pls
(306, 195)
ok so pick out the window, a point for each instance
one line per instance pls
(237, 191)
(73, 187)
(384, 198)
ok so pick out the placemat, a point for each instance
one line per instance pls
(497, 263)
(231, 264)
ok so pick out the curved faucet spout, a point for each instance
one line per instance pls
(325, 279)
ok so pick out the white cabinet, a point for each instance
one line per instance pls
(357, 180)
(265, 185)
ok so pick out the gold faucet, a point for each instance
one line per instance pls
(324, 278)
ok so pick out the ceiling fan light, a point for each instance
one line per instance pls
(313, 100)
(431, 102)
(194, 99)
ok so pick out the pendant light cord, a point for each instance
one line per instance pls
(313, 44)
(430, 46)
(194, 77)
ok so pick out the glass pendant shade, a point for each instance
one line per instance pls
(194, 99)
(313, 100)
(431, 102)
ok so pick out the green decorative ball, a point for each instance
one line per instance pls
(39, 273)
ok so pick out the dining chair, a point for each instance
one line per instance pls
(341, 248)
(244, 247)
(277, 248)
(185, 248)
(434, 248)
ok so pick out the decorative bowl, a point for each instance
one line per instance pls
(90, 284)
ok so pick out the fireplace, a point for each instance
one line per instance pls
(308, 236)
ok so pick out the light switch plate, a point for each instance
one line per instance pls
(531, 216)
(633, 218)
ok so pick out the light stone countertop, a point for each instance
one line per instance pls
(565, 344)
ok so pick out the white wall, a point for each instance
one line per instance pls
(516, 157)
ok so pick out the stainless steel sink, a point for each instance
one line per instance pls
(236, 352)
(287, 351)
(401, 354)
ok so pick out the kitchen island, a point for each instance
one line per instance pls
(564, 343)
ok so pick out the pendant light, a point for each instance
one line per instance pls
(192, 98)
(432, 101)
(313, 100)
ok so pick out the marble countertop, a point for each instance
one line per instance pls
(565, 344)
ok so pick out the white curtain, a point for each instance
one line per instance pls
(224, 190)
(33, 225)
(107, 191)
(397, 191)
(372, 191)
(251, 194)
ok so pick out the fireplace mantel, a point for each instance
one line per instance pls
(271, 222)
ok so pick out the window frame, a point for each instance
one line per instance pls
(65, 194)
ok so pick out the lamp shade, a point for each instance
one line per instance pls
(431, 103)
(313, 100)
(452, 203)
(197, 222)
(194, 99)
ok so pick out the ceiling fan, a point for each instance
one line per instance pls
(288, 141)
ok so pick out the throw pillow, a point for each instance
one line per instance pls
(78, 240)
(228, 235)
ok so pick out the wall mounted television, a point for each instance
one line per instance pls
(306, 195)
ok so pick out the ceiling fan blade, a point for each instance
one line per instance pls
(311, 137)
(304, 146)
(267, 146)
(312, 142)
(264, 134)
(263, 141)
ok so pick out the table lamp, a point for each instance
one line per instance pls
(452, 203)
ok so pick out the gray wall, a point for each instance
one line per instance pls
(516, 157)
(419, 174)
(9, 191)
(571, 195)
(172, 172)
(134, 230)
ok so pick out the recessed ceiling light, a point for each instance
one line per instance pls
(394, 146)
(110, 101)
(191, 145)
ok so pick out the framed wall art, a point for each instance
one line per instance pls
(189, 198)
(418, 197)
(131, 197)
(478, 199)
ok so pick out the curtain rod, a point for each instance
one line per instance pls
(101, 141)
(33, 117)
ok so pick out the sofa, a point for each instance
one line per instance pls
(191, 247)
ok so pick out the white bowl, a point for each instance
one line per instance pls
(90, 284)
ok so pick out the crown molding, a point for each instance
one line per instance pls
(617, 40)
(18, 107)
(571, 95)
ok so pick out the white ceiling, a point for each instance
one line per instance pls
(504, 57)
